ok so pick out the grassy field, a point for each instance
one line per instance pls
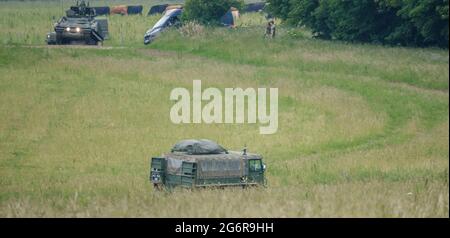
(363, 129)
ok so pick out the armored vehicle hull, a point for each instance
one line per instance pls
(79, 26)
(207, 169)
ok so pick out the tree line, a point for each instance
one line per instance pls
(396, 22)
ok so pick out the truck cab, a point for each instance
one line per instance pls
(256, 169)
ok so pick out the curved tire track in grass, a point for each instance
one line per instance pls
(400, 104)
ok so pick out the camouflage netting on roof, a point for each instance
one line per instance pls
(198, 147)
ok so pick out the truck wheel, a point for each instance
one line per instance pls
(90, 41)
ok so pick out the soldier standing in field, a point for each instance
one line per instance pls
(270, 29)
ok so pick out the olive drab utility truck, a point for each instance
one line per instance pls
(204, 163)
(80, 26)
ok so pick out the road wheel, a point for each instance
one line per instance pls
(59, 40)
(90, 41)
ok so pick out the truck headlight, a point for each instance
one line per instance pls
(77, 29)
(68, 29)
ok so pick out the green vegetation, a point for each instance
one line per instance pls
(363, 129)
(208, 12)
(404, 22)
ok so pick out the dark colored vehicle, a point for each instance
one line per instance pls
(79, 26)
(157, 9)
(132, 10)
(254, 7)
(204, 163)
(171, 17)
(100, 11)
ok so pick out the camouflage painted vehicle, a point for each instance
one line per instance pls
(79, 26)
(204, 163)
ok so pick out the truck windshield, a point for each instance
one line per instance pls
(255, 165)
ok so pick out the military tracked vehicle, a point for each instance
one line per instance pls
(79, 26)
(204, 163)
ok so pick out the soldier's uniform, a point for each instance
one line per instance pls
(270, 29)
